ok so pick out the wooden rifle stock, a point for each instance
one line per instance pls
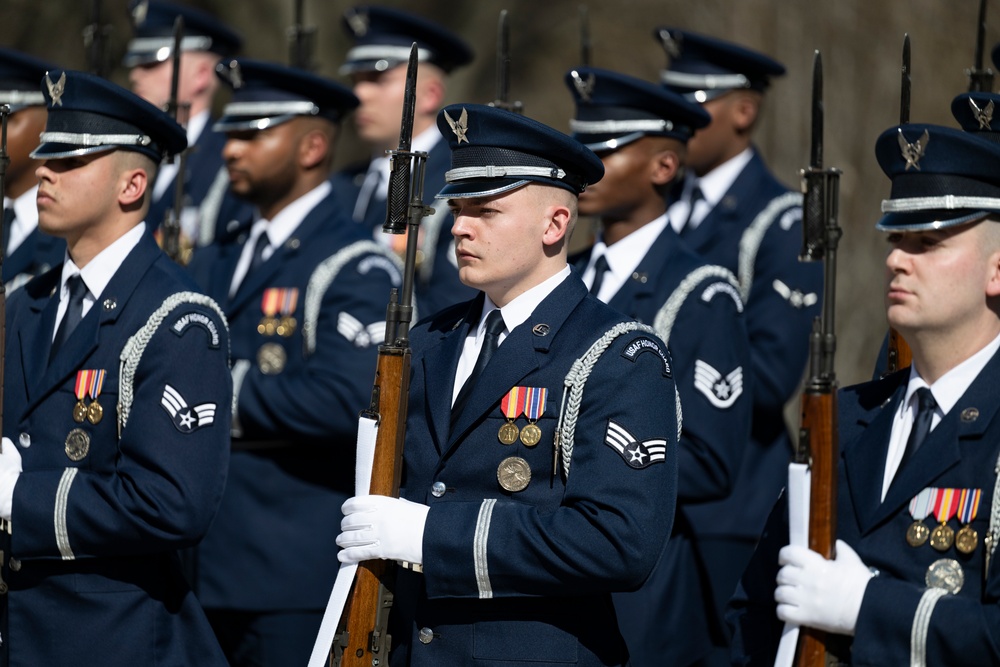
(818, 436)
(366, 616)
(363, 639)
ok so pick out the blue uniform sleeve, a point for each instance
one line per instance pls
(784, 299)
(614, 515)
(712, 368)
(171, 462)
(322, 397)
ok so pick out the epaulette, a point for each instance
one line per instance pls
(753, 236)
(663, 322)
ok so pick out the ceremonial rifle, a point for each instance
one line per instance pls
(818, 446)
(898, 353)
(980, 80)
(503, 67)
(170, 238)
(4, 161)
(95, 41)
(300, 40)
(363, 640)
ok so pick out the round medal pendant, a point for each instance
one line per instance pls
(514, 473)
(77, 444)
(942, 537)
(287, 326)
(95, 413)
(531, 435)
(966, 539)
(945, 574)
(917, 534)
(271, 358)
(79, 412)
(508, 433)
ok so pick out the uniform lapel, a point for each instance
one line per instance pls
(519, 354)
(439, 365)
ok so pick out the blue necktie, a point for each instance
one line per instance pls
(72, 316)
(494, 327)
(921, 425)
(600, 268)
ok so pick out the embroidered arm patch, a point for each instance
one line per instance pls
(720, 391)
(353, 330)
(186, 419)
(635, 453)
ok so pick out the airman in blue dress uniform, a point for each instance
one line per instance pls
(744, 219)
(27, 251)
(376, 64)
(305, 292)
(914, 580)
(540, 469)
(116, 386)
(640, 131)
(209, 207)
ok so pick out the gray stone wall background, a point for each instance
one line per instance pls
(860, 41)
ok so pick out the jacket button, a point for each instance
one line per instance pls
(425, 635)
(438, 489)
(24, 439)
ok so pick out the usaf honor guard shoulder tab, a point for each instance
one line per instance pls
(642, 344)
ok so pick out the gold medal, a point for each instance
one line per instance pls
(79, 412)
(966, 540)
(271, 358)
(287, 326)
(945, 574)
(531, 435)
(917, 534)
(77, 444)
(514, 473)
(942, 537)
(94, 412)
(508, 433)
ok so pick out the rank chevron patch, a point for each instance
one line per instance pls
(353, 330)
(636, 454)
(186, 419)
(720, 391)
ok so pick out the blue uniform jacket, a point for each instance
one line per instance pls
(436, 283)
(38, 253)
(961, 452)
(671, 619)
(782, 298)
(94, 577)
(273, 543)
(525, 577)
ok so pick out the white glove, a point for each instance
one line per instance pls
(10, 470)
(820, 593)
(382, 527)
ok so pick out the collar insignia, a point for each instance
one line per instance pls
(671, 44)
(584, 88)
(461, 127)
(357, 22)
(912, 153)
(984, 115)
(56, 89)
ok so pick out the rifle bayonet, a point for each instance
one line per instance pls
(503, 67)
(904, 84)
(980, 80)
(301, 39)
(585, 45)
(898, 354)
(170, 238)
(95, 41)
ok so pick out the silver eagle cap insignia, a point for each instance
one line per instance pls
(56, 89)
(461, 127)
(983, 116)
(913, 153)
(584, 87)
